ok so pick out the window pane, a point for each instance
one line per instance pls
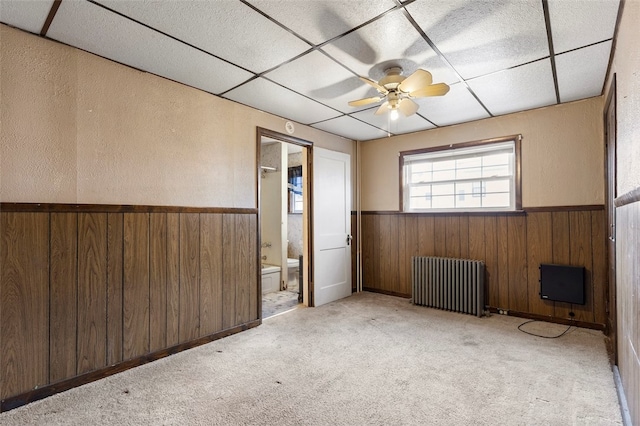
(420, 191)
(420, 203)
(421, 167)
(468, 201)
(465, 163)
(439, 176)
(443, 202)
(500, 199)
(443, 189)
(444, 165)
(463, 188)
(421, 177)
(471, 173)
(496, 171)
(498, 185)
(478, 188)
(495, 159)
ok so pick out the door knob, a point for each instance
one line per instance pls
(349, 238)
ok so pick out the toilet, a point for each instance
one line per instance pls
(293, 270)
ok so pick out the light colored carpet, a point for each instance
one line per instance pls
(365, 360)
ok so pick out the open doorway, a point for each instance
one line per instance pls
(284, 207)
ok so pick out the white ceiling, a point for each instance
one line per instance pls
(300, 59)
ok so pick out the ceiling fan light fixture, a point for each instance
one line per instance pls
(399, 91)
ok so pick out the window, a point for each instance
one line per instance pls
(471, 176)
(295, 189)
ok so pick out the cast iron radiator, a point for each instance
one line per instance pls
(450, 284)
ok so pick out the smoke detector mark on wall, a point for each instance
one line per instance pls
(289, 127)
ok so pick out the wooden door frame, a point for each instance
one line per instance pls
(610, 111)
(281, 137)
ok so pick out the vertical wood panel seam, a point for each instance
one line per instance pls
(105, 244)
(593, 284)
(553, 303)
(569, 234)
(107, 304)
(49, 299)
(446, 234)
(570, 258)
(49, 279)
(49, 313)
(77, 285)
(179, 272)
(106, 289)
(198, 257)
(552, 242)
(166, 280)
(460, 238)
(508, 268)
(122, 272)
(487, 282)
(593, 266)
(148, 349)
(526, 258)
(235, 271)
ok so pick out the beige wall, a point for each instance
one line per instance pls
(562, 155)
(626, 63)
(77, 128)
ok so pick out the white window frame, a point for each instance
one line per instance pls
(460, 151)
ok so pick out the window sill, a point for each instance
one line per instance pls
(453, 213)
(470, 213)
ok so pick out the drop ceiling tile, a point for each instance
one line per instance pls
(577, 23)
(581, 72)
(517, 89)
(457, 106)
(26, 15)
(480, 37)
(321, 20)
(270, 97)
(351, 128)
(107, 34)
(413, 123)
(231, 30)
(388, 41)
(321, 78)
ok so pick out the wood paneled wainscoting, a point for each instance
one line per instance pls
(90, 290)
(628, 297)
(513, 245)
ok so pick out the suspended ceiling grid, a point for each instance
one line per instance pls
(301, 59)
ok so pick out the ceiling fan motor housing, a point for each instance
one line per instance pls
(392, 79)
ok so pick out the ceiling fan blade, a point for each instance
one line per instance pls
(407, 107)
(383, 109)
(433, 90)
(416, 81)
(378, 87)
(365, 101)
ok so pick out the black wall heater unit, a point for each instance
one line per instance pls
(562, 283)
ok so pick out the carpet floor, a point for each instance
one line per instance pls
(368, 359)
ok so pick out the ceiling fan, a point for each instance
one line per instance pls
(397, 91)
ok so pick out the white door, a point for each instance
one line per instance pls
(331, 226)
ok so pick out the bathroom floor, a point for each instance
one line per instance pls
(278, 302)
